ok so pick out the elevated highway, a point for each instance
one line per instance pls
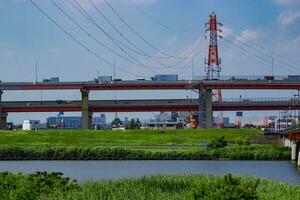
(242, 83)
(162, 105)
(204, 104)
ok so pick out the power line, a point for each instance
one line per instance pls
(134, 31)
(89, 34)
(126, 38)
(108, 35)
(160, 23)
(78, 41)
(284, 60)
(93, 22)
(264, 51)
(116, 42)
(248, 55)
(258, 56)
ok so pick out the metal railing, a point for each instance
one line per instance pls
(262, 99)
(251, 78)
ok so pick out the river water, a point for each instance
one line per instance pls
(82, 171)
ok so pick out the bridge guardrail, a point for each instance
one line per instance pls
(262, 99)
(251, 78)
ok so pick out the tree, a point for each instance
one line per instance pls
(138, 124)
(116, 123)
(132, 124)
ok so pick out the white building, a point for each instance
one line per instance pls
(33, 125)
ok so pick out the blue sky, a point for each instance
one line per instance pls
(27, 35)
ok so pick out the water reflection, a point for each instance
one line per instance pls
(283, 171)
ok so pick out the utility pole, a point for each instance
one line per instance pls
(298, 101)
(114, 70)
(36, 69)
(272, 66)
(192, 77)
(116, 114)
(36, 79)
(192, 68)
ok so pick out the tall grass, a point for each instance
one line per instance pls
(97, 153)
(252, 152)
(172, 187)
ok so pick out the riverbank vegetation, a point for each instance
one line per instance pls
(172, 187)
(137, 145)
(90, 138)
(252, 152)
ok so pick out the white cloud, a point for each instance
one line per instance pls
(172, 40)
(287, 18)
(56, 50)
(291, 46)
(226, 30)
(247, 35)
(8, 54)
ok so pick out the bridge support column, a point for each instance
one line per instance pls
(86, 114)
(3, 121)
(205, 115)
(3, 116)
(298, 161)
(294, 150)
(208, 109)
(202, 109)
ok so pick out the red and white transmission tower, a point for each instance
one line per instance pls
(213, 62)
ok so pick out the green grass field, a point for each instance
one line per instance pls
(128, 138)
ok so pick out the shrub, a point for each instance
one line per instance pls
(34, 186)
(243, 141)
(227, 188)
(218, 142)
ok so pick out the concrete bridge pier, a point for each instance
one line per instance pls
(3, 116)
(298, 160)
(295, 145)
(209, 111)
(295, 153)
(202, 113)
(205, 115)
(3, 121)
(86, 114)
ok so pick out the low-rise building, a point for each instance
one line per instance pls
(33, 125)
(164, 125)
(74, 122)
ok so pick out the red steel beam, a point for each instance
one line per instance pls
(129, 86)
(250, 85)
(143, 108)
(156, 86)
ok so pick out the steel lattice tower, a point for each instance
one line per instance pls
(213, 62)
